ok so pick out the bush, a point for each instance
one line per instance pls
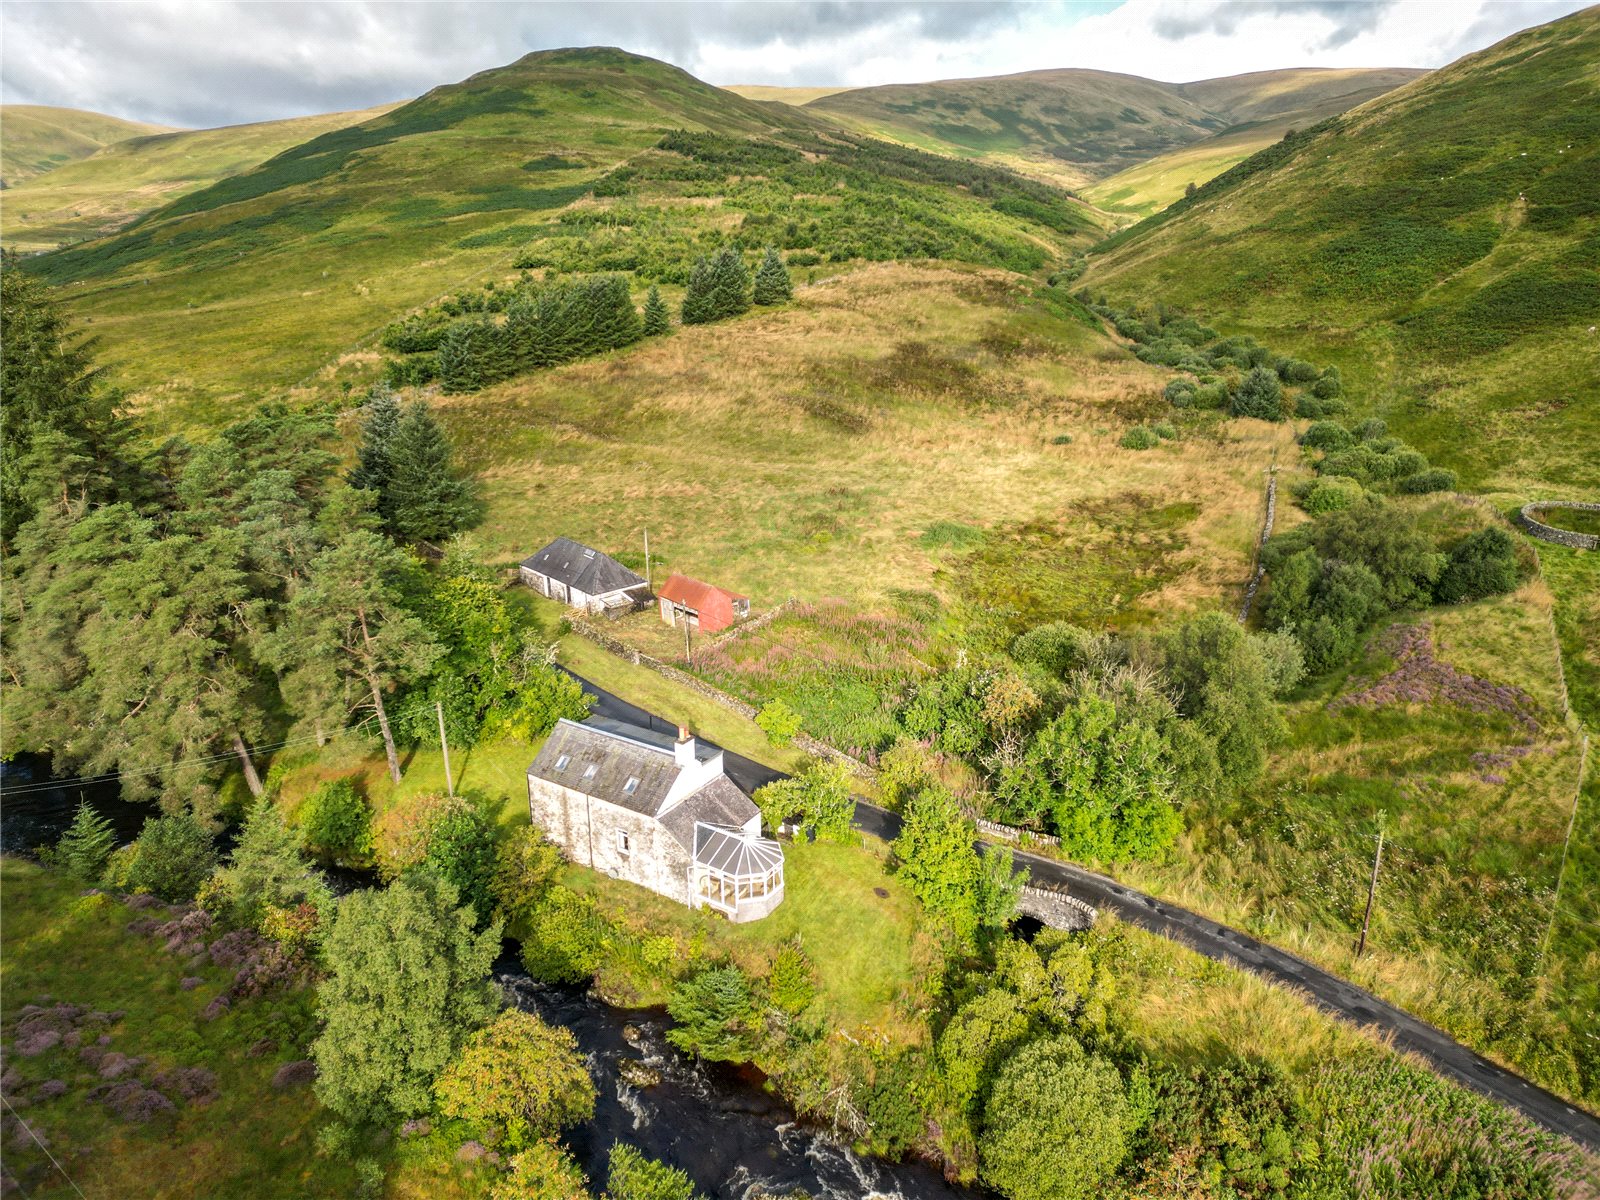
(1296, 371)
(544, 1171)
(1180, 392)
(1260, 395)
(1061, 439)
(174, 856)
(1056, 1125)
(791, 985)
(546, 696)
(1211, 395)
(566, 938)
(779, 722)
(634, 1177)
(525, 866)
(461, 849)
(1328, 385)
(1140, 437)
(717, 1015)
(889, 1102)
(1481, 564)
(1436, 480)
(518, 1075)
(822, 796)
(1165, 430)
(1313, 407)
(336, 823)
(1330, 495)
(86, 846)
(1327, 435)
(1058, 647)
(1371, 429)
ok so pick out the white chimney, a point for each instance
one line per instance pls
(683, 749)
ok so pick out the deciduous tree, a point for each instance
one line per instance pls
(520, 1075)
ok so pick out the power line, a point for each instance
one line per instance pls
(39, 1142)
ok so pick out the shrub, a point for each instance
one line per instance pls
(1241, 1122)
(821, 795)
(632, 1176)
(1330, 495)
(1180, 392)
(521, 1076)
(1260, 395)
(1165, 430)
(566, 938)
(1328, 385)
(716, 1014)
(86, 846)
(1371, 429)
(1056, 1124)
(1061, 439)
(1140, 437)
(1327, 435)
(1211, 395)
(1481, 564)
(460, 848)
(1436, 480)
(174, 856)
(890, 1102)
(336, 823)
(1296, 371)
(791, 985)
(1059, 647)
(545, 697)
(778, 721)
(525, 866)
(544, 1171)
(1309, 405)
(267, 872)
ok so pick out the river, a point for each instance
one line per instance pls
(35, 809)
(716, 1122)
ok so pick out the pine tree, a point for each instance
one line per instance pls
(697, 298)
(87, 844)
(426, 500)
(371, 471)
(730, 294)
(656, 320)
(772, 284)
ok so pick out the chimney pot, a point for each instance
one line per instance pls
(683, 752)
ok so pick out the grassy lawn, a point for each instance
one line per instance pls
(873, 963)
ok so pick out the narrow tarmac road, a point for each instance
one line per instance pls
(1338, 996)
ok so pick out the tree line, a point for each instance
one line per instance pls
(481, 338)
(169, 606)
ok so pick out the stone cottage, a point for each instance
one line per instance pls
(574, 574)
(660, 813)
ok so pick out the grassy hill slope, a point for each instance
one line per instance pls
(36, 138)
(783, 95)
(1080, 125)
(103, 192)
(560, 161)
(1437, 243)
(1264, 106)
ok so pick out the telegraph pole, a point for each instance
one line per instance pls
(647, 556)
(688, 649)
(438, 707)
(1372, 888)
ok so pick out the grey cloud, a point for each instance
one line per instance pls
(1349, 18)
(195, 63)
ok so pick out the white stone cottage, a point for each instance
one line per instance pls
(656, 812)
(574, 574)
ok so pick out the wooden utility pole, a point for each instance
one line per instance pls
(647, 557)
(1372, 888)
(688, 647)
(438, 707)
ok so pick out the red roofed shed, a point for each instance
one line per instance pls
(705, 607)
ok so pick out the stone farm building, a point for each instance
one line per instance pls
(572, 573)
(705, 607)
(660, 813)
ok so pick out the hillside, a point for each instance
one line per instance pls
(560, 161)
(126, 179)
(36, 138)
(1078, 125)
(1263, 106)
(783, 95)
(1437, 243)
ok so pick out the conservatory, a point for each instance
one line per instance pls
(736, 872)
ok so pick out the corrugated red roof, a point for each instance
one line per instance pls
(680, 589)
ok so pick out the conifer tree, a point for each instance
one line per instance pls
(697, 298)
(87, 844)
(426, 500)
(730, 284)
(772, 284)
(371, 471)
(656, 320)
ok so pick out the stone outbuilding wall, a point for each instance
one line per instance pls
(1529, 521)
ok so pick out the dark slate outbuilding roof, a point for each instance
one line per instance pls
(720, 802)
(577, 566)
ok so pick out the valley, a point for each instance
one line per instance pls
(992, 469)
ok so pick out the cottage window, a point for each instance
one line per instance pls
(624, 843)
(588, 772)
(561, 763)
(630, 786)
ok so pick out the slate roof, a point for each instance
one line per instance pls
(720, 802)
(680, 589)
(601, 762)
(733, 852)
(577, 566)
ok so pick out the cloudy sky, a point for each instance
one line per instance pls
(213, 62)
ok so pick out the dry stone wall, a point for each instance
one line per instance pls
(1529, 520)
(1056, 909)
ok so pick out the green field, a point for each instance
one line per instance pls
(146, 169)
(39, 139)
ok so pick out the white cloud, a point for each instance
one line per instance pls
(198, 62)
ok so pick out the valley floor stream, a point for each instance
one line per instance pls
(715, 1121)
